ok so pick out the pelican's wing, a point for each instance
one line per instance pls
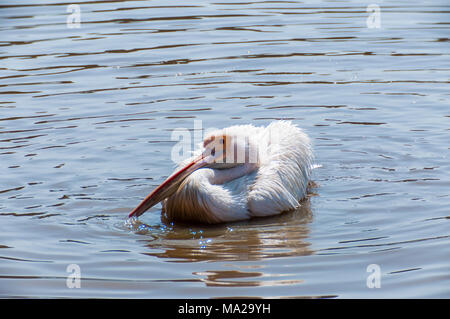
(286, 161)
(199, 200)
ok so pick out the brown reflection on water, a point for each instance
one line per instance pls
(234, 278)
(279, 236)
(254, 240)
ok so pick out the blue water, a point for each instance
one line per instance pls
(86, 122)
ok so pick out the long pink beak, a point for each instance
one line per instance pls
(169, 186)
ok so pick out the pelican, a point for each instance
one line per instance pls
(240, 172)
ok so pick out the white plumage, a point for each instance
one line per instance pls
(241, 172)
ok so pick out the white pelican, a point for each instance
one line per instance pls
(242, 172)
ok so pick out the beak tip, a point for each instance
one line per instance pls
(167, 188)
(133, 214)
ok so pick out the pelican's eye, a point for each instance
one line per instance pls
(213, 151)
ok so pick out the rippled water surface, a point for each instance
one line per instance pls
(86, 122)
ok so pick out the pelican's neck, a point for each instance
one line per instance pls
(222, 176)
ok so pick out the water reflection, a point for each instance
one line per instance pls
(236, 278)
(279, 236)
(284, 235)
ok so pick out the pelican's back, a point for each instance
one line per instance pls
(282, 179)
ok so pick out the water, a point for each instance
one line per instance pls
(86, 117)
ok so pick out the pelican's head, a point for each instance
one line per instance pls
(221, 150)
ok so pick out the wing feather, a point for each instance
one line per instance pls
(285, 169)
